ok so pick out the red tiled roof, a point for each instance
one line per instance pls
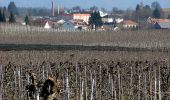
(154, 20)
(161, 20)
(129, 22)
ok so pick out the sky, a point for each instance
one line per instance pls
(107, 4)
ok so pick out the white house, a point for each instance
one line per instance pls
(61, 21)
(47, 25)
(102, 14)
(112, 18)
(130, 24)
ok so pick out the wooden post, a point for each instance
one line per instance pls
(82, 86)
(155, 84)
(92, 86)
(100, 82)
(119, 83)
(67, 86)
(1, 81)
(86, 93)
(159, 83)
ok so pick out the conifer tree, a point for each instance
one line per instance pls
(168, 16)
(156, 13)
(3, 16)
(26, 20)
(12, 18)
(95, 20)
(13, 8)
(1, 19)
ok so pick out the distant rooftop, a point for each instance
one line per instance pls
(155, 20)
(129, 22)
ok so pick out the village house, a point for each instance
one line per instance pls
(65, 17)
(112, 18)
(47, 25)
(81, 16)
(80, 24)
(68, 25)
(129, 24)
(110, 22)
(159, 23)
(102, 14)
(61, 21)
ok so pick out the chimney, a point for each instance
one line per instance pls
(58, 9)
(52, 9)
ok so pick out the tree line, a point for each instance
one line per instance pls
(3, 18)
(144, 11)
(141, 13)
(11, 11)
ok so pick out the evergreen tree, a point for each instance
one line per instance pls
(98, 22)
(95, 20)
(138, 12)
(114, 22)
(12, 18)
(12, 8)
(156, 13)
(1, 18)
(142, 12)
(155, 5)
(137, 8)
(168, 16)
(27, 20)
(91, 21)
(157, 10)
(3, 15)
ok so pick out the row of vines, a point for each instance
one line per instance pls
(88, 79)
(19, 34)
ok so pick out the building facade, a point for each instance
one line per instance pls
(84, 17)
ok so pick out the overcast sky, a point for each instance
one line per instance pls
(108, 4)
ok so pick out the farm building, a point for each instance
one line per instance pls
(129, 24)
